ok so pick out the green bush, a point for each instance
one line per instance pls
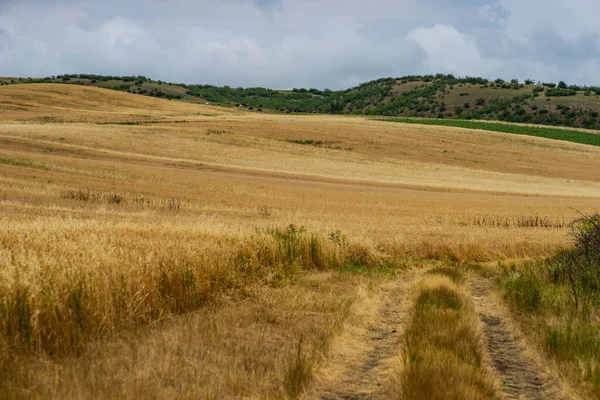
(560, 92)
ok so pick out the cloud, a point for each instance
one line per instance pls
(494, 13)
(278, 44)
(310, 43)
(567, 19)
(450, 51)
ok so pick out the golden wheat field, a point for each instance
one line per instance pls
(160, 249)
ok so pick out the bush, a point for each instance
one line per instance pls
(560, 92)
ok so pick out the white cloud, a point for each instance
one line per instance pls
(450, 51)
(568, 19)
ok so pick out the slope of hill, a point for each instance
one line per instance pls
(50, 103)
(429, 96)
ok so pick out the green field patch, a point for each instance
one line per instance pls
(567, 135)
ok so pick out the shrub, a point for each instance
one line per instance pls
(560, 92)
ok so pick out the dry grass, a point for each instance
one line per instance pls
(66, 287)
(247, 347)
(110, 228)
(444, 347)
(44, 103)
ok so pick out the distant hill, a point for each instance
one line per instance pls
(427, 96)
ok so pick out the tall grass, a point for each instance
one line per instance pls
(54, 297)
(298, 373)
(568, 135)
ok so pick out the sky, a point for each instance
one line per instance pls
(282, 44)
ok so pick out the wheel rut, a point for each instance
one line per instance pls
(521, 375)
(363, 356)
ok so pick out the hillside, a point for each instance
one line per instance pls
(430, 96)
(57, 103)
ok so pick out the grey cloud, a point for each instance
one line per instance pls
(291, 43)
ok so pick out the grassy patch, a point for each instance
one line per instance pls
(383, 269)
(439, 298)
(308, 142)
(443, 348)
(298, 374)
(216, 132)
(136, 123)
(538, 131)
(452, 273)
(524, 291)
(319, 143)
(116, 198)
(126, 123)
(23, 162)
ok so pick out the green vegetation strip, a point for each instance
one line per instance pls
(545, 132)
(22, 162)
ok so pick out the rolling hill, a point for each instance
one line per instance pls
(429, 96)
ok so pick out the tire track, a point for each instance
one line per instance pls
(520, 374)
(363, 356)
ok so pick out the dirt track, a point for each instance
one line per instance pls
(522, 377)
(364, 355)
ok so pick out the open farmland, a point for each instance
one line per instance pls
(168, 249)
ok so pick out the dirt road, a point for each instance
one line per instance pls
(522, 376)
(364, 354)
